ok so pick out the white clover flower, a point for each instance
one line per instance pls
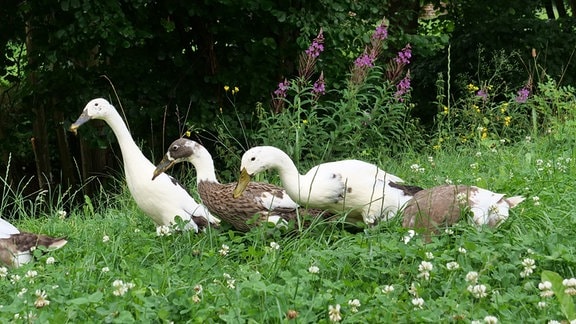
(545, 285)
(198, 289)
(472, 277)
(196, 299)
(313, 269)
(570, 285)
(50, 260)
(539, 162)
(41, 300)
(478, 291)
(31, 273)
(105, 269)
(418, 302)
(354, 304)
(462, 250)
(22, 292)
(474, 166)
(224, 250)
(413, 290)
(478, 154)
(105, 238)
(388, 289)
(554, 322)
(417, 168)
(448, 181)
(334, 313)
(410, 234)
(490, 319)
(15, 278)
(61, 214)
(529, 266)
(274, 245)
(528, 138)
(425, 266)
(121, 287)
(452, 265)
(3, 272)
(429, 255)
(163, 230)
(431, 159)
(536, 200)
(449, 231)
(542, 304)
(137, 230)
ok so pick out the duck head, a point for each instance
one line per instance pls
(95, 109)
(180, 150)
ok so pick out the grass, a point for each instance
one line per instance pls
(193, 278)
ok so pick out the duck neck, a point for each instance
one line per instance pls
(204, 166)
(290, 177)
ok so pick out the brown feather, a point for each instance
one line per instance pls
(239, 212)
(23, 242)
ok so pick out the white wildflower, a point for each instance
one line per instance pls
(474, 166)
(448, 181)
(313, 269)
(542, 304)
(570, 285)
(478, 154)
(274, 245)
(50, 260)
(22, 292)
(462, 250)
(478, 291)
(472, 277)
(15, 278)
(105, 269)
(491, 319)
(3, 272)
(409, 236)
(388, 289)
(105, 238)
(429, 255)
(163, 230)
(452, 265)
(536, 200)
(196, 299)
(418, 302)
(334, 313)
(41, 300)
(61, 214)
(529, 266)
(121, 287)
(224, 250)
(417, 168)
(354, 304)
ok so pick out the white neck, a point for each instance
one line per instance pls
(291, 179)
(204, 165)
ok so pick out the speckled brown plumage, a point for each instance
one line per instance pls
(240, 212)
(23, 242)
(406, 189)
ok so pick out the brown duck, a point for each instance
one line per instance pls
(439, 207)
(16, 246)
(261, 202)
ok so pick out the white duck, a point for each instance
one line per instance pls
(162, 199)
(270, 202)
(442, 206)
(16, 247)
(354, 186)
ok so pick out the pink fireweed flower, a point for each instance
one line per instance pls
(319, 87)
(404, 55)
(317, 45)
(402, 87)
(522, 95)
(282, 88)
(364, 60)
(482, 94)
(381, 32)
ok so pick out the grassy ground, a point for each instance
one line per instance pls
(373, 275)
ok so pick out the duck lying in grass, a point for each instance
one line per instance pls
(163, 199)
(16, 247)
(439, 207)
(359, 188)
(271, 203)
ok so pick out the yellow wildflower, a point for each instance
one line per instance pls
(504, 107)
(472, 88)
(188, 134)
(436, 147)
(489, 87)
(475, 107)
(236, 89)
(507, 120)
(226, 88)
(305, 121)
(446, 110)
(484, 132)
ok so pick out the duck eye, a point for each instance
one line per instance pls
(96, 104)
(253, 158)
(175, 148)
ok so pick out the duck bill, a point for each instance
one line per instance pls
(79, 122)
(164, 165)
(242, 183)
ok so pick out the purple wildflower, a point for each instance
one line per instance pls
(319, 86)
(282, 88)
(402, 87)
(381, 32)
(317, 46)
(364, 60)
(522, 95)
(481, 93)
(404, 55)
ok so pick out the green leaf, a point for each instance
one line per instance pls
(566, 302)
(94, 298)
